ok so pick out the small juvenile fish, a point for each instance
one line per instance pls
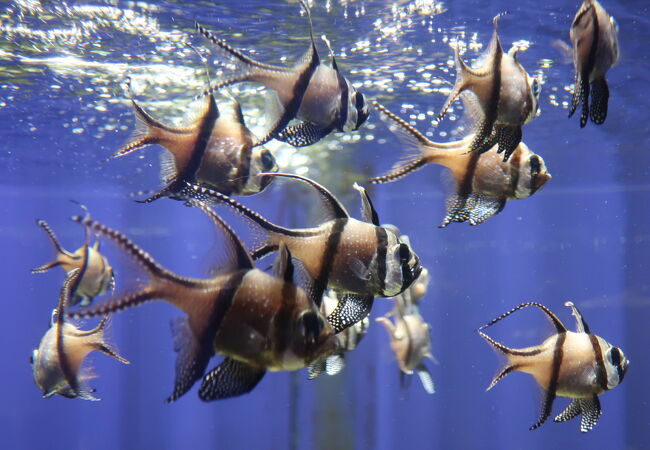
(594, 35)
(315, 94)
(215, 150)
(96, 274)
(257, 321)
(359, 260)
(348, 340)
(578, 365)
(56, 364)
(483, 182)
(507, 97)
(411, 343)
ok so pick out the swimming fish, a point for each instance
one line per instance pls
(56, 364)
(578, 365)
(348, 340)
(483, 182)
(411, 344)
(316, 94)
(594, 35)
(360, 260)
(257, 321)
(215, 150)
(507, 97)
(96, 274)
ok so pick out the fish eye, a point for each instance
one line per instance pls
(359, 101)
(404, 252)
(268, 161)
(535, 165)
(614, 356)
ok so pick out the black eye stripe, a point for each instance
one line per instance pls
(404, 252)
(615, 356)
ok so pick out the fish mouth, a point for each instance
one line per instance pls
(540, 180)
(362, 116)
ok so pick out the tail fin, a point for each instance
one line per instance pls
(100, 343)
(163, 283)
(507, 368)
(400, 171)
(60, 251)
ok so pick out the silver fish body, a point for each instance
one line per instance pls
(578, 365)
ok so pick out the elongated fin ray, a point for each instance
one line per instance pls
(55, 243)
(400, 172)
(69, 286)
(559, 326)
(335, 208)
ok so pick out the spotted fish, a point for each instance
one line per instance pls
(594, 35)
(313, 93)
(578, 365)
(483, 182)
(57, 363)
(507, 97)
(359, 259)
(95, 273)
(257, 321)
(215, 150)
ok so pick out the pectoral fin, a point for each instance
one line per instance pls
(302, 134)
(350, 310)
(231, 378)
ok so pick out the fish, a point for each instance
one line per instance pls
(96, 274)
(348, 340)
(483, 181)
(358, 259)
(257, 321)
(578, 365)
(594, 35)
(410, 341)
(215, 150)
(506, 97)
(57, 363)
(316, 95)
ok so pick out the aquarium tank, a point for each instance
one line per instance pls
(454, 174)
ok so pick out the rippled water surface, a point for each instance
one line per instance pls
(65, 108)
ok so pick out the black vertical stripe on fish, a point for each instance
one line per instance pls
(551, 390)
(208, 123)
(69, 286)
(382, 250)
(331, 250)
(291, 109)
(191, 367)
(486, 125)
(343, 102)
(601, 371)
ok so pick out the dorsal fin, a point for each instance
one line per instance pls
(238, 257)
(332, 57)
(312, 52)
(559, 326)
(331, 203)
(582, 326)
(368, 211)
(283, 266)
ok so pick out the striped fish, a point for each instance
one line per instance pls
(359, 259)
(57, 363)
(594, 35)
(506, 97)
(578, 365)
(317, 95)
(257, 321)
(215, 150)
(96, 275)
(483, 182)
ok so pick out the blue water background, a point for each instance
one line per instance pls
(585, 237)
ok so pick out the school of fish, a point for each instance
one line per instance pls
(311, 310)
